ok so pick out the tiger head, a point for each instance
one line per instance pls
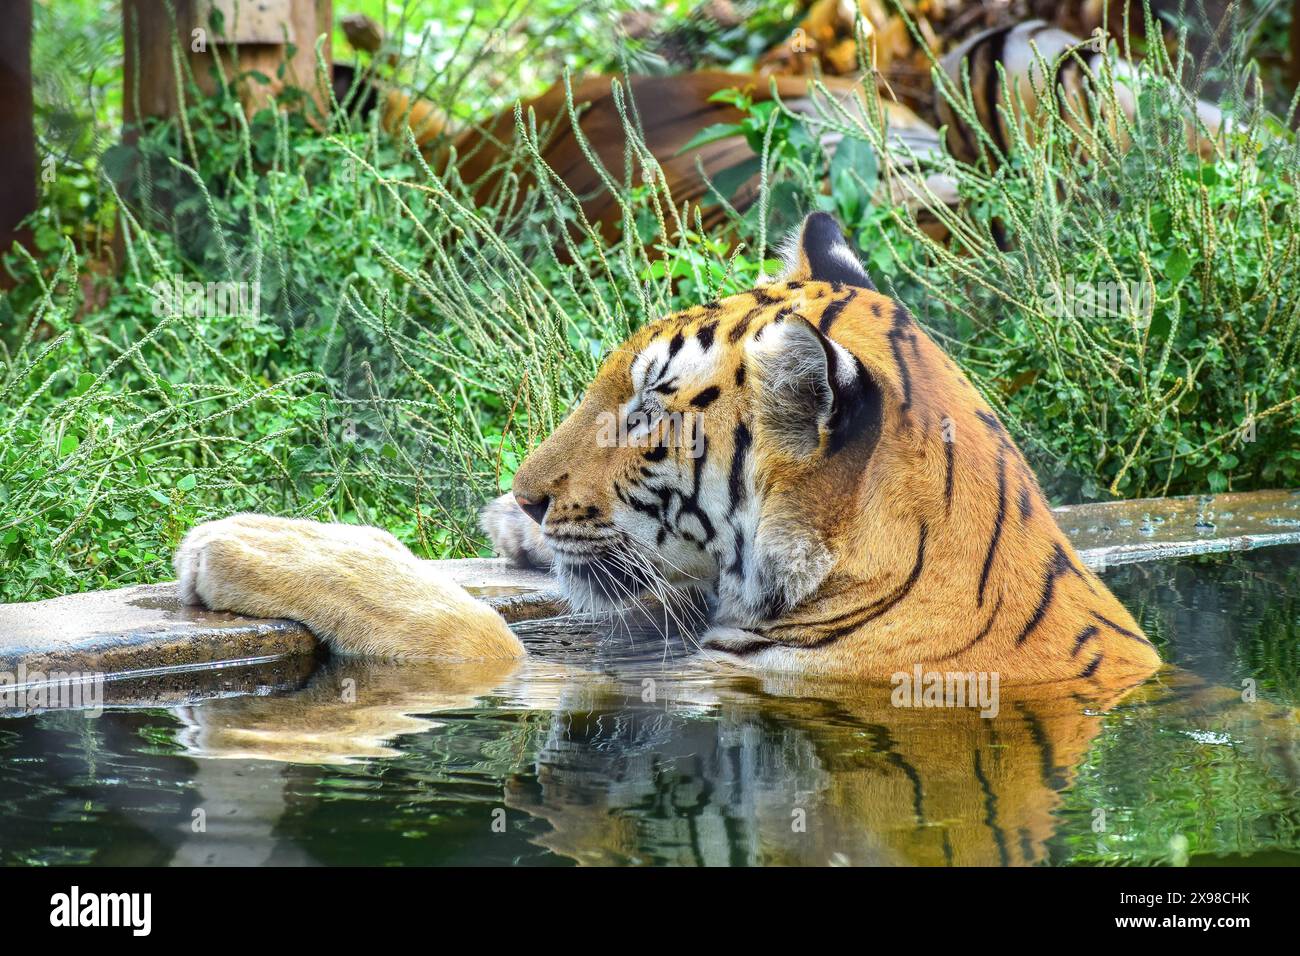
(805, 455)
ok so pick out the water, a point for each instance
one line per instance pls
(615, 750)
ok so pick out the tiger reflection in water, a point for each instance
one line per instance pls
(741, 771)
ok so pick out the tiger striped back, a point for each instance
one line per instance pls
(1016, 65)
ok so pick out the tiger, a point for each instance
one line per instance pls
(1010, 69)
(802, 455)
(670, 111)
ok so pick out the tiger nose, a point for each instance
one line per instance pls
(535, 508)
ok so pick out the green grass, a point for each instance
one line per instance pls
(1198, 391)
(410, 347)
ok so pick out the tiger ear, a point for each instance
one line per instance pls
(806, 383)
(818, 253)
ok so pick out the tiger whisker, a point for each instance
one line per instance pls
(672, 600)
(628, 539)
(638, 574)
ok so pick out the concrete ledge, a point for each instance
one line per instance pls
(1153, 529)
(145, 628)
(136, 628)
(143, 631)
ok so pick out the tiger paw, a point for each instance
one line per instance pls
(356, 588)
(515, 536)
(253, 564)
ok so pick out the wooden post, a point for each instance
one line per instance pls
(259, 33)
(17, 132)
(1293, 54)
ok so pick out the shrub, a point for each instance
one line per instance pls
(405, 350)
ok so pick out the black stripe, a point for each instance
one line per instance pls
(918, 804)
(739, 648)
(738, 558)
(897, 333)
(740, 328)
(1092, 667)
(690, 504)
(884, 605)
(556, 535)
(984, 632)
(1026, 845)
(675, 345)
(948, 448)
(1057, 565)
(852, 612)
(705, 335)
(997, 526)
(647, 508)
(832, 312)
(1026, 503)
(1087, 634)
(991, 811)
(653, 370)
(741, 440)
(706, 397)
(882, 743)
(1046, 753)
(991, 420)
(1121, 630)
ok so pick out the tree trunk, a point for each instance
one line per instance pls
(17, 131)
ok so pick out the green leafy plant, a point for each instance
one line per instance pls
(405, 351)
(1190, 385)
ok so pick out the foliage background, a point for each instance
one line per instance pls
(412, 347)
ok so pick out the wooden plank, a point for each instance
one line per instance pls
(252, 21)
(150, 35)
